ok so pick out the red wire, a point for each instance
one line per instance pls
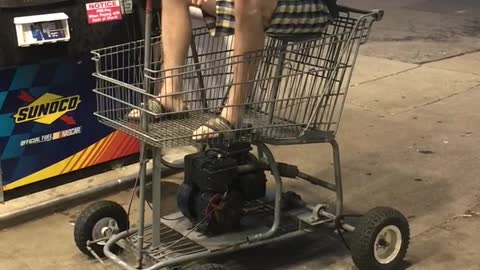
(148, 6)
(210, 202)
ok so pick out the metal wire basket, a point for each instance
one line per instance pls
(296, 95)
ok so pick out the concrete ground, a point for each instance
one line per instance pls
(409, 139)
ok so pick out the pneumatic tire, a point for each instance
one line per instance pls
(381, 240)
(100, 220)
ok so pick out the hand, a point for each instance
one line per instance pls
(198, 3)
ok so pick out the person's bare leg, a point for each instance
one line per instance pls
(249, 36)
(251, 16)
(176, 37)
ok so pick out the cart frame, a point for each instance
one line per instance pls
(318, 214)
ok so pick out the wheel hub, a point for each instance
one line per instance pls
(388, 244)
(104, 229)
(382, 243)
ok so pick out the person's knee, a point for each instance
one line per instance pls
(199, 3)
(254, 11)
(246, 9)
(207, 6)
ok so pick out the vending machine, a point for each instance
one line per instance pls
(47, 126)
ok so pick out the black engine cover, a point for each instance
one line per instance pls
(214, 192)
(210, 171)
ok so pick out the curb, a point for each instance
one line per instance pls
(61, 203)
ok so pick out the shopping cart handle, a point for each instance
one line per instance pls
(376, 13)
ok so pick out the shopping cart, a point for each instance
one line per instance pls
(297, 97)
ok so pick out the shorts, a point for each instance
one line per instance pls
(290, 17)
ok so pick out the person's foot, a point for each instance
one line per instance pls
(172, 91)
(172, 104)
(160, 105)
(157, 106)
(229, 119)
(212, 129)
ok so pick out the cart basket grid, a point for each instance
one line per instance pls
(298, 88)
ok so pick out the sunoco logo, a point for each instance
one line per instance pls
(46, 109)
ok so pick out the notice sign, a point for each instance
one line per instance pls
(106, 11)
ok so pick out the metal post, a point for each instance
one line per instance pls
(338, 176)
(143, 163)
(156, 196)
(260, 154)
(276, 82)
(278, 196)
(141, 208)
(2, 199)
(198, 67)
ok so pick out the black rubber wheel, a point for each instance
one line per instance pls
(100, 219)
(381, 240)
(212, 266)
